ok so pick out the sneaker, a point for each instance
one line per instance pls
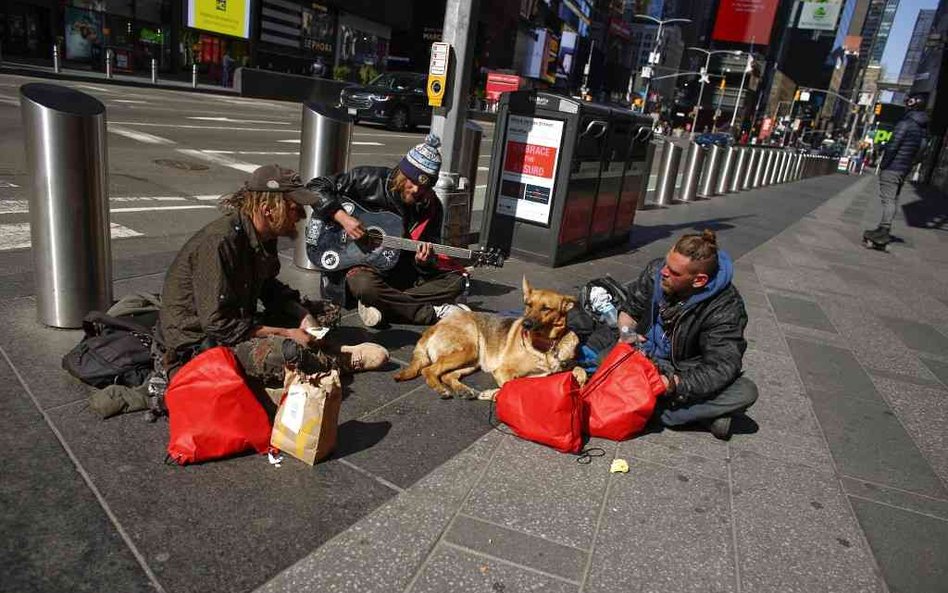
(369, 315)
(366, 356)
(442, 311)
(720, 427)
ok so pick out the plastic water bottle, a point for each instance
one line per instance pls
(609, 315)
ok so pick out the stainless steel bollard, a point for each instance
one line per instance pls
(67, 160)
(194, 76)
(788, 177)
(668, 173)
(740, 167)
(154, 71)
(692, 175)
(56, 65)
(709, 177)
(753, 158)
(761, 166)
(324, 150)
(108, 63)
(727, 170)
(775, 168)
(769, 166)
(781, 165)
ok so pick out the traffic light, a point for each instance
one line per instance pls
(796, 96)
(723, 82)
(878, 110)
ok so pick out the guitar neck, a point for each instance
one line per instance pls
(412, 245)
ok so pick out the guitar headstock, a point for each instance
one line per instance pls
(492, 256)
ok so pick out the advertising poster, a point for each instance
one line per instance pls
(820, 15)
(531, 150)
(745, 21)
(83, 34)
(564, 63)
(227, 17)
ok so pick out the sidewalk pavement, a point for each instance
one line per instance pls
(836, 483)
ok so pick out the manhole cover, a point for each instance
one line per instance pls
(183, 165)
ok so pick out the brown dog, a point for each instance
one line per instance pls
(536, 344)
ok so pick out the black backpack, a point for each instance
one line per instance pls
(114, 351)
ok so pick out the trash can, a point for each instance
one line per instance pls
(70, 231)
(543, 192)
(635, 177)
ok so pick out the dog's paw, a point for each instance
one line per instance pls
(581, 376)
(488, 395)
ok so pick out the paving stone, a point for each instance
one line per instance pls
(794, 530)
(762, 333)
(830, 372)
(800, 312)
(924, 505)
(239, 520)
(518, 548)
(687, 442)
(877, 373)
(938, 368)
(923, 411)
(452, 569)
(814, 335)
(646, 449)
(384, 550)
(664, 529)
(918, 336)
(559, 504)
(911, 549)
(56, 536)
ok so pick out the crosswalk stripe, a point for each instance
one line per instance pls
(220, 160)
(17, 235)
(139, 136)
(23, 206)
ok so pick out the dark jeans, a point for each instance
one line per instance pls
(401, 297)
(736, 397)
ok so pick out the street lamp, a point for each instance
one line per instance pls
(653, 56)
(748, 68)
(704, 77)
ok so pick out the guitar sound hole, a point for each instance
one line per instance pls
(372, 239)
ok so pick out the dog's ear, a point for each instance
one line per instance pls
(526, 290)
(568, 303)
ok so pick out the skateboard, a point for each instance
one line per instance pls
(877, 245)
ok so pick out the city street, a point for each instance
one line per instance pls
(835, 480)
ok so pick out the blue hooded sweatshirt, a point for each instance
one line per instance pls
(657, 343)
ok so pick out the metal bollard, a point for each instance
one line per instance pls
(727, 170)
(790, 163)
(154, 71)
(194, 76)
(108, 63)
(761, 167)
(56, 58)
(324, 150)
(740, 166)
(753, 158)
(781, 165)
(67, 160)
(709, 177)
(769, 167)
(668, 173)
(775, 168)
(692, 175)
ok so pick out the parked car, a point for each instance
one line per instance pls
(396, 99)
(719, 138)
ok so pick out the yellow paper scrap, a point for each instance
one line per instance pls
(619, 466)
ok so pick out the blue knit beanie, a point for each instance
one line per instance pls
(423, 162)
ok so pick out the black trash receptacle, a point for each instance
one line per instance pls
(634, 174)
(544, 176)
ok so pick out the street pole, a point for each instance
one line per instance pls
(694, 121)
(740, 91)
(585, 88)
(653, 57)
(460, 23)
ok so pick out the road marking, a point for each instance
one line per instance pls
(23, 206)
(209, 197)
(9, 100)
(129, 101)
(263, 152)
(484, 156)
(95, 88)
(483, 168)
(239, 121)
(388, 135)
(479, 186)
(161, 208)
(290, 141)
(17, 236)
(354, 142)
(149, 199)
(192, 127)
(220, 160)
(8, 184)
(140, 136)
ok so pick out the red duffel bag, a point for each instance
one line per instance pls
(212, 412)
(545, 410)
(620, 397)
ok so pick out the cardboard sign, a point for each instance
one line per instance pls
(531, 155)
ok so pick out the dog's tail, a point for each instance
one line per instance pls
(419, 360)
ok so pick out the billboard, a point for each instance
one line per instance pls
(227, 17)
(820, 15)
(745, 21)
(84, 37)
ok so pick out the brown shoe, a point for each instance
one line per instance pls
(362, 357)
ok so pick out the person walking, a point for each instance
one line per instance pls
(901, 154)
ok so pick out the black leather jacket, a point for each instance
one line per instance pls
(707, 342)
(368, 187)
(908, 138)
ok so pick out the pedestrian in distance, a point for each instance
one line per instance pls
(212, 290)
(685, 314)
(902, 153)
(418, 289)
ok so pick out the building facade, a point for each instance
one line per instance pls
(913, 55)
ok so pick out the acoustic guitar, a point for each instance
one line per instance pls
(330, 249)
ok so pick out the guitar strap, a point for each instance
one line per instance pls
(444, 263)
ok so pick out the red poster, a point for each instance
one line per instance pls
(530, 159)
(745, 21)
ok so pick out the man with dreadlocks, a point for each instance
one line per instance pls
(212, 289)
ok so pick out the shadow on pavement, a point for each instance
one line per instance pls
(355, 436)
(929, 212)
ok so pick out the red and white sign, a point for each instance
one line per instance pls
(531, 155)
(745, 21)
(498, 84)
(766, 127)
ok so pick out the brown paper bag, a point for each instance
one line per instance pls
(305, 424)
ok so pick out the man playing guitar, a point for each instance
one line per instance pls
(421, 288)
